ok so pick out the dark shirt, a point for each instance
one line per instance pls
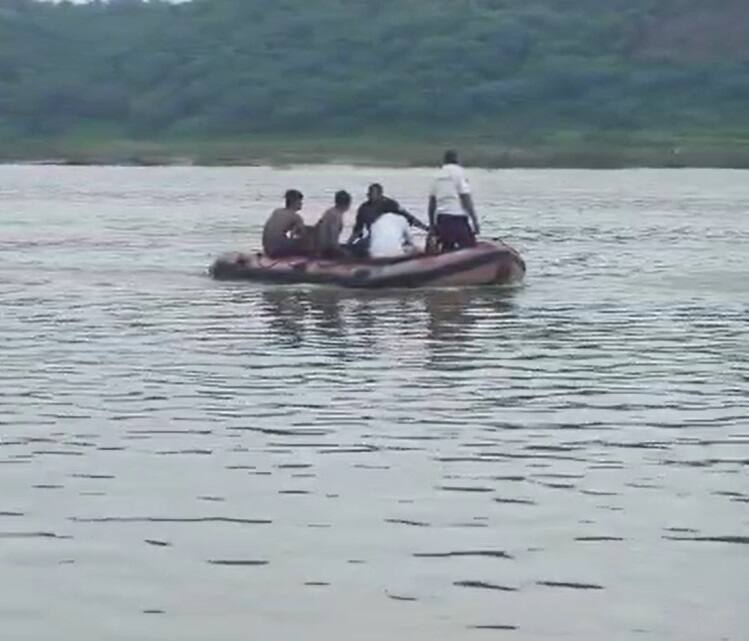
(371, 210)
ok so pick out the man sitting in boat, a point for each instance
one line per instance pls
(285, 233)
(376, 205)
(329, 228)
(451, 205)
(390, 236)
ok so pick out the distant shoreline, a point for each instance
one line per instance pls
(377, 151)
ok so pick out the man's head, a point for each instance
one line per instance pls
(375, 191)
(294, 199)
(343, 200)
(451, 157)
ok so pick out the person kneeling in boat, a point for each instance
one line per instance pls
(285, 233)
(329, 228)
(390, 237)
(376, 205)
(451, 205)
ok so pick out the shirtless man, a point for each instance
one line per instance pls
(284, 232)
(330, 226)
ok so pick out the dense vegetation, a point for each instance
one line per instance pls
(518, 70)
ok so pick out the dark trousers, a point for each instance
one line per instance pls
(454, 232)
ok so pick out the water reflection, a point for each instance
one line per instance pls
(443, 320)
(285, 312)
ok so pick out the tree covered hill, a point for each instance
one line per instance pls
(518, 68)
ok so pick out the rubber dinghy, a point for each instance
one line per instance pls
(488, 263)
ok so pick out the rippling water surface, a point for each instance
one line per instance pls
(187, 460)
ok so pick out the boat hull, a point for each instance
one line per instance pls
(486, 264)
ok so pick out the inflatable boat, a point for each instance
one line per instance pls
(489, 263)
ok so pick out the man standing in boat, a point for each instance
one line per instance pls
(284, 233)
(451, 205)
(375, 206)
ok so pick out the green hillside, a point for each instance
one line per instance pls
(576, 76)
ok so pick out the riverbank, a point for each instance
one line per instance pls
(564, 150)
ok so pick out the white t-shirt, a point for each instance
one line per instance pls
(451, 183)
(390, 236)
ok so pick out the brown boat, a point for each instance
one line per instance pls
(489, 263)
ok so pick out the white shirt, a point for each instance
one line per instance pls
(390, 236)
(451, 183)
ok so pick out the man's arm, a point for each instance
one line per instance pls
(415, 222)
(323, 233)
(392, 206)
(297, 226)
(432, 212)
(467, 201)
(358, 225)
(338, 229)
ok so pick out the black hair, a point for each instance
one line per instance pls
(451, 157)
(292, 196)
(376, 186)
(342, 198)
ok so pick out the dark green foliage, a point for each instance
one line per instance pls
(260, 66)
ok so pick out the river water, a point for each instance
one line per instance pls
(186, 460)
